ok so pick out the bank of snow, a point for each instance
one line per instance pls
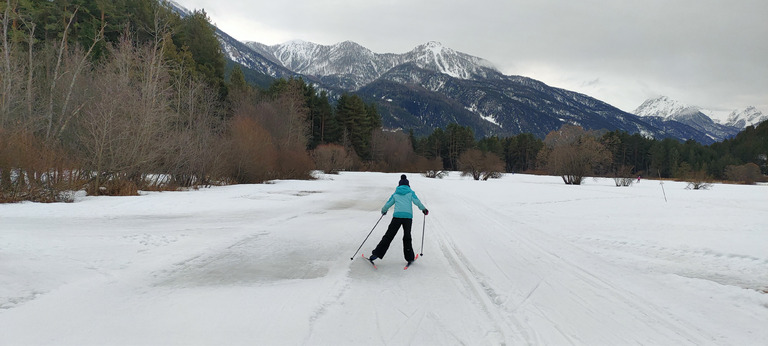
(519, 260)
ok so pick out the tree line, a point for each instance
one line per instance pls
(574, 153)
(117, 96)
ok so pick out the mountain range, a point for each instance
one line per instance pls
(663, 109)
(432, 86)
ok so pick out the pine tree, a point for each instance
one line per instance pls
(357, 121)
(237, 80)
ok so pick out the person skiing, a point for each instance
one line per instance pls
(403, 216)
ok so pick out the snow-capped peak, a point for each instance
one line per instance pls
(354, 65)
(664, 107)
(670, 109)
(746, 117)
(434, 56)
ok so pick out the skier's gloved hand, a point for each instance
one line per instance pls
(383, 212)
(425, 211)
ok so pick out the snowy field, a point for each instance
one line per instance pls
(522, 260)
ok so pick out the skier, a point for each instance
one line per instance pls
(403, 216)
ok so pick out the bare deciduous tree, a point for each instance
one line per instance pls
(623, 176)
(332, 158)
(75, 62)
(479, 165)
(393, 151)
(128, 118)
(573, 154)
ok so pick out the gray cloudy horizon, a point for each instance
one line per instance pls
(712, 54)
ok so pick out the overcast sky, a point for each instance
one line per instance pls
(709, 53)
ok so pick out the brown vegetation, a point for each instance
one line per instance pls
(746, 174)
(573, 154)
(479, 165)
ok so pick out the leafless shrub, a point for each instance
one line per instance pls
(432, 168)
(122, 130)
(331, 158)
(573, 154)
(393, 152)
(746, 174)
(480, 165)
(294, 164)
(698, 180)
(31, 169)
(252, 155)
(623, 176)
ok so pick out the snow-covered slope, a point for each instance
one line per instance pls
(671, 111)
(269, 264)
(352, 66)
(664, 107)
(749, 116)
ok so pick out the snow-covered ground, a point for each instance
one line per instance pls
(519, 260)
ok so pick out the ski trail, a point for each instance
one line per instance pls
(482, 294)
(522, 300)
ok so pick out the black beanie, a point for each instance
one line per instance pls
(403, 181)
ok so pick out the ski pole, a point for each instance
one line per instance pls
(423, 226)
(366, 237)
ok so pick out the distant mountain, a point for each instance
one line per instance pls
(350, 66)
(746, 117)
(663, 109)
(433, 85)
(422, 99)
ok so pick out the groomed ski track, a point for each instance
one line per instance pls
(489, 275)
(522, 260)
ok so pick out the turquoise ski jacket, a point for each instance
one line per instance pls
(402, 199)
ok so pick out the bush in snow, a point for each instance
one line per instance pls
(623, 176)
(698, 180)
(746, 174)
(573, 154)
(480, 165)
(332, 158)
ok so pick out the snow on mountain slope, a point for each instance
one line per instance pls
(549, 264)
(356, 62)
(749, 116)
(669, 109)
(673, 111)
(664, 107)
(434, 56)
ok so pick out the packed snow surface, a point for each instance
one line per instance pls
(522, 260)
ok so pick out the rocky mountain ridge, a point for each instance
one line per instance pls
(350, 66)
(433, 85)
(665, 109)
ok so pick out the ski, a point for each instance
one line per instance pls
(411, 262)
(371, 261)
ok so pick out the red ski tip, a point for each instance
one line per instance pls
(367, 259)
(409, 264)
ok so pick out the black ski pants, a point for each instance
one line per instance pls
(394, 226)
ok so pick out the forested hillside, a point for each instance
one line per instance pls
(117, 96)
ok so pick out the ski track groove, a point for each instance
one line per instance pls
(637, 303)
(497, 311)
(599, 285)
(334, 296)
(487, 300)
